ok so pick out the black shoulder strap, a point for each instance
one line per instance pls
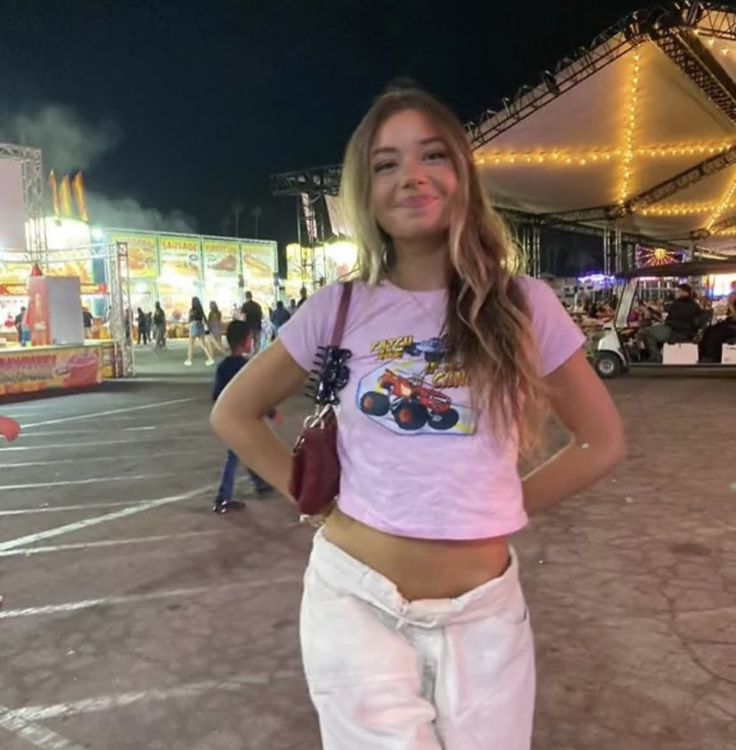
(342, 313)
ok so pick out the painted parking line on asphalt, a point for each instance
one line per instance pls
(234, 683)
(29, 551)
(34, 734)
(62, 508)
(67, 528)
(108, 412)
(107, 601)
(94, 443)
(91, 480)
(103, 429)
(117, 457)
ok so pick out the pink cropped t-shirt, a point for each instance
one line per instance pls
(416, 460)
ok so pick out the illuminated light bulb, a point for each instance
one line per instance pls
(724, 51)
(583, 162)
(568, 160)
(711, 42)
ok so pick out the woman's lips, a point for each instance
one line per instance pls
(417, 201)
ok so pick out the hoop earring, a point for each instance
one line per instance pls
(384, 256)
(387, 256)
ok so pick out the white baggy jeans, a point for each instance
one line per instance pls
(433, 674)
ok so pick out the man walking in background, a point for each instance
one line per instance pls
(253, 318)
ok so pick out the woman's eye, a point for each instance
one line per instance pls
(436, 156)
(383, 166)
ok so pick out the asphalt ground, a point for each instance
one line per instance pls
(134, 617)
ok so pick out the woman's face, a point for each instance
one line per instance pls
(413, 178)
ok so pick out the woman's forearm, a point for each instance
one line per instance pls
(259, 447)
(572, 470)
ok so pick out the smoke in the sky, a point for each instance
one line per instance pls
(70, 143)
(127, 213)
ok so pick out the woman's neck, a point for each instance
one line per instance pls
(419, 266)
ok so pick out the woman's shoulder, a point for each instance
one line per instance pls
(537, 293)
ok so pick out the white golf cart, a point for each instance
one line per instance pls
(619, 349)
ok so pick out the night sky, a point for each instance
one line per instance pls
(189, 106)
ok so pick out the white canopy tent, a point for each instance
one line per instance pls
(636, 134)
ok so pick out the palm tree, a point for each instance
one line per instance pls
(256, 212)
(236, 208)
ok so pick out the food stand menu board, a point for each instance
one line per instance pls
(297, 261)
(221, 259)
(259, 266)
(70, 263)
(179, 256)
(142, 254)
(15, 268)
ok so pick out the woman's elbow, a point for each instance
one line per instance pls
(622, 451)
(617, 451)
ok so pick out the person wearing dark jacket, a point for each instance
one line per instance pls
(238, 334)
(682, 323)
(142, 327)
(278, 317)
(253, 317)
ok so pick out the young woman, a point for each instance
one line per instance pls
(414, 630)
(197, 321)
(214, 323)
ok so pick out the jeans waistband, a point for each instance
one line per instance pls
(344, 573)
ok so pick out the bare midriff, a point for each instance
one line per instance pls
(420, 568)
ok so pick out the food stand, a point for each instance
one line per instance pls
(58, 356)
(172, 268)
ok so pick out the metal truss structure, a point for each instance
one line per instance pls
(116, 265)
(32, 177)
(316, 180)
(654, 194)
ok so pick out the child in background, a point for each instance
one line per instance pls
(9, 429)
(238, 334)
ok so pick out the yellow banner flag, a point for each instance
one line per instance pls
(54, 193)
(79, 197)
(65, 196)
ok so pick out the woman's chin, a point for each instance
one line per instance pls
(421, 232)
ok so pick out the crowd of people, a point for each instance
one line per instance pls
(207, 327)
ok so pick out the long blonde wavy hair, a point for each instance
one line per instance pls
(487, 326)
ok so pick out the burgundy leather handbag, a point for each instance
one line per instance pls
(315, 471)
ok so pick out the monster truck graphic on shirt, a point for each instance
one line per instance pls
(417, 391)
